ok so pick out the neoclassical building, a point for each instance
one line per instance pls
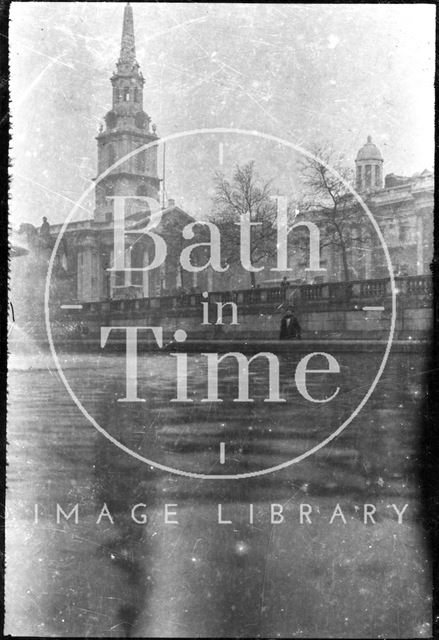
(403, 209)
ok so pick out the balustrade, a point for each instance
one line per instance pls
(373, 288)
(419, 285)
(410, 286)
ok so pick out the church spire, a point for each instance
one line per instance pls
(127, 46)
(127, 127)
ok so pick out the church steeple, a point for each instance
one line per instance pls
(128, 45)
(127, 127)
(127, 80)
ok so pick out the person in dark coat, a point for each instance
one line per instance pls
(289, 326)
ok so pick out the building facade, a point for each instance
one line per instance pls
(123, 171)
(402, 207)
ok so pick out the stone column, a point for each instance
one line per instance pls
(96, 274)
(85, 291)
(87, 276)
(112, 273)
(80, 275)
(145, 275)
(162, 272)
(178, 278)
(127, 267)
(209, 279)
(368, 262)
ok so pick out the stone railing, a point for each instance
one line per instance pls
(328, 293)
(415, 285)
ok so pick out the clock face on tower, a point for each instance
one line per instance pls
(189, 370)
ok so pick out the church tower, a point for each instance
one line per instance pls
(127, 127)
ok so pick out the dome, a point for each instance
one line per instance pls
(369, 151)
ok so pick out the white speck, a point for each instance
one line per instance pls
(333, 41)
(241, 548)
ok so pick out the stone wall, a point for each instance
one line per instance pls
(358, 310)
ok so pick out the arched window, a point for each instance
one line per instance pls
(111, 155)
(368, 175)
(126, 94)
(377, 175)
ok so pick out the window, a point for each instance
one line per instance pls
(119, 279)
(368, 175)
(136, 94)
(126, 94)
(377, 175)
(141, 162)
(111, 155)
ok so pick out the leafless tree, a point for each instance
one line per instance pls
(332, 204)
(246, 193)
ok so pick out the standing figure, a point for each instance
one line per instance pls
(289, 327)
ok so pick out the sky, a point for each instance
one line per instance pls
(325, 75)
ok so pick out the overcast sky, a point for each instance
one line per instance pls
(306, 73)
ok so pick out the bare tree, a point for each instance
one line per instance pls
(245, 194)
(329, 198)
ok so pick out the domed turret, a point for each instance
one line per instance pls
(369, 164)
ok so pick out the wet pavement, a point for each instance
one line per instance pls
(292, 555)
